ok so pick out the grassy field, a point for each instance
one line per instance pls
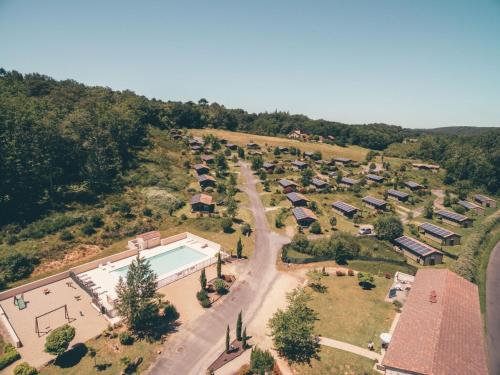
(349, 313)
(334, 361)
(328, 151)
(109, 353)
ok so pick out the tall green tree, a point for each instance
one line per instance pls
(219, 266)
(239, 325)
(227, 339)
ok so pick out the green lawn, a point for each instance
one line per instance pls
(349, 313)
(334, 361)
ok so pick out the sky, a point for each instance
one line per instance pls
(417, 64)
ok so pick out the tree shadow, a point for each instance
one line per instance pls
(72, 357)
(367, 286)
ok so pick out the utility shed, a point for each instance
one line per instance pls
(440, 330)
(438, 234)
(418, 251)
(485, 201)
(454, 219)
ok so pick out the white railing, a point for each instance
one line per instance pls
(10, 330)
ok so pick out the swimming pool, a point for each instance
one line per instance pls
(169, 261)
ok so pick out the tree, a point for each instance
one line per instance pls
(25, 369)
(292, 329)
(232, 207)
(388, 227)
(239, 324)
(261, 362)
(315, 277)
(58, 340)
(203, 279)
(92, 353)
(429, 210)
(333, 221)
(365, 280)
(244, 339)
(219, 266)
(170, 313)
(226, 224)
(227, 339)
(241, 153)
(239, 248)
(306, 176)
(135, 295)
(315, 228)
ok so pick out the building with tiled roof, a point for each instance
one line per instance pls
(440, 331)
(201, 203)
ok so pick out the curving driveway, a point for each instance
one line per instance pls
(493, 310)
(199, 342)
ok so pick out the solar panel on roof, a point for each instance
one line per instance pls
(374, 201)
(438, 231)
(451, 215)
(412, 184)
(468, 205)
(349, 181)
(300, 213)
(344, 206)
(374, 177)
(397, 193)
(414, 245)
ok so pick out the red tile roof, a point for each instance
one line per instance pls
(440, 330)
(201, 198)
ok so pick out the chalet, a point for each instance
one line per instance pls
(485, 201)
(374, 178)
(196, 141)
(254, 152)
(297, 164)
(283, 149)
(413, 186)
(206, 180)
(201, 169)
(438, 234)
(252, 146)
(342, 161)
(304, 216)
(397, 195)
(177, 137)
(201, 203)
(418, 251)
(207, 159)
(308, 154)
(297, 134)
(195, 149)
(148, 240)
(287, 185)
(425, 167)
(330, 138)
(440, 330)
(297, 199)
(348, 182)
(319, 184)
(223, 141)
(319, 162)
(454, 219)
(268, 167)
(469, 206)
(332, 174)
(374, 203)
(231, 146)
(344, 209)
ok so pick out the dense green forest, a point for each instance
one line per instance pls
(62, 140)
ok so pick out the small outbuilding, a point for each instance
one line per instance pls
(373, 178)
(268, 167)
(202, 203)
(206, 181)
(297, 164)
(304, 216)
(342, 161)
(413, 186)
(345, 209)
(320, 184)
(418, 251)
(374, 203)
(400, 196)
(438, 234)
(287, 185)
(297, 199)
(207, 159)
(469, 206)
(201, 169)
(454, 218)
(485, 201)
(348, 182)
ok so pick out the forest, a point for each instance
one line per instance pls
(61, 140)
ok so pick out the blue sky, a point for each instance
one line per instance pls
(411, 63)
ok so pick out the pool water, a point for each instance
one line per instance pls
(169, 261)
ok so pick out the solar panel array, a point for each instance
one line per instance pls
(349, 181)
(451, 215)
(415, 246)
(268, 165)
(374, 177)
(298, 163)
(342, 160)
(294, 197)
(412, 184)
(318, 182)
(374, 201)
(343, 206)
(285, 183)
(438, 231)
(397, 193)
(302, 213)
(468, 205)
(481, 198)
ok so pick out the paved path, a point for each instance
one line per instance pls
(350, 348)
(493, 310)
(199, 342)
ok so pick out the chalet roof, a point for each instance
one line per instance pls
(483, 198)
(303, 213)
(374, 177)
(296, 197)
(468, 205)
(201, 198)
(437, 231)
(286, 183)
(397, 193)
(207, 157)
(267, 165)
(298, 163)
(205, 177)
(342, 160)
(349, 181)
(319, 183)
(440, 330)
(413, 184)
(453, 216)
(200, 166)
(344, 207)
(415, 246)
(374, 201)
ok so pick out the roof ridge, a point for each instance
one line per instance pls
(440, 325)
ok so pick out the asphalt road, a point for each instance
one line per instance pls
(493, 310)
(198, 343)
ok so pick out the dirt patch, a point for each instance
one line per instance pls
(75, 255)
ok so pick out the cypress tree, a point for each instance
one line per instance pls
(227, 339)
(203, 279)
(244, 339)
(239, 249)
(239, 324)
(219, 266)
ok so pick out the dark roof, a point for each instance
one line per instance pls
(319, 183)
(452, 215)
(374, 177)
(267, 165)
(201, 198)
(413, 184)
(374, 201)
(342, 160)
(482, 198)
(437, 231)
(349, 181)
(200, 166)
(299, 163)
(303, 213)
(207, 157)
(342, 206)
(415, 246)
(309, 153)
(397, 193)
(195, 147)
(205, 177)
(468, 205)
(440, 330)
(285, 183)
(296, 197)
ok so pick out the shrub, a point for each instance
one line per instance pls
(170, 313)
(205, 303)
(261, 361)
(246, 229)
(350, 272)
(9, 356)
(16, 266)
(220, 286)
(226, 224)
(25, 369)
(315, 228)
(388, 276)
(202, 296)
(96, 221)
(398, 305)
(66, 235)
(339, 273)
(88, 229)
(58, 340)
(126, 338)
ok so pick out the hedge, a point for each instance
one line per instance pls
(9, 356)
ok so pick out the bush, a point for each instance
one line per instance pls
(96, 221)
(16, 266)
(58, 340)
(226, 224)
(220, 286)
(261, 361)
(25, 369)
(315, 228)
(88, 229)
(66, 235)
(202, 296)
(350, 272)
(339, 273)
(9, 356)
(126, 338)
(388, 227)
(170, 313)
(246, 229)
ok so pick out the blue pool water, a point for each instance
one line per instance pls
(168, 261)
